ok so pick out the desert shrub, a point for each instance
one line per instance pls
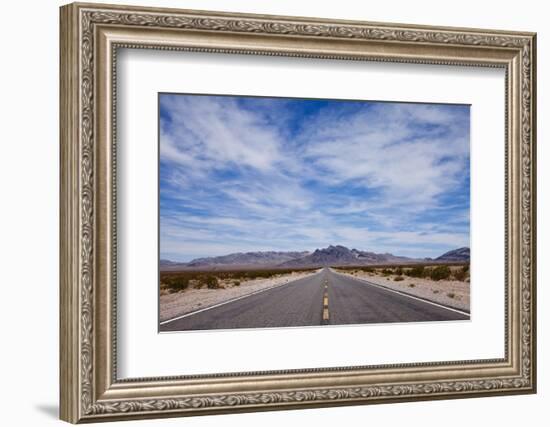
(176, 283)
(212, 282)
(435, 291)
(398, 279)
(368, 270)
(236, 283)
(412, 285)
(418, 271)
(460, 275)
(451, 295)
(399, 271)
(264, 274)
(387, 271)
(440, 272)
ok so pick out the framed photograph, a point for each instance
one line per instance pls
(239, 175)
(266, 212)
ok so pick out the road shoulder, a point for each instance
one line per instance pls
(452, 294)
(190, 300)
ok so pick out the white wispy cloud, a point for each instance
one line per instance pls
(383, 148)
(259, 174)
(208, 133)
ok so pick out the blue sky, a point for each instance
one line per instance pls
(241, 174)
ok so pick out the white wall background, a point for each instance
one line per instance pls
(29, 170)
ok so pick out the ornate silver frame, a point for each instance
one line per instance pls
(90, 36)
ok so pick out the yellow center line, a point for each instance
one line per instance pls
(325, 305)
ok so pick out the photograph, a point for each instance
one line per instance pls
(291, 212)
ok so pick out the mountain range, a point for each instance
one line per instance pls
(330, 256)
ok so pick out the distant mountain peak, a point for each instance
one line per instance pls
(456, 255)
(339, 255)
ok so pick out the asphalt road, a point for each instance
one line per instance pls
(300, 303)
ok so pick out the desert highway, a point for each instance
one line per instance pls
(325, 298)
